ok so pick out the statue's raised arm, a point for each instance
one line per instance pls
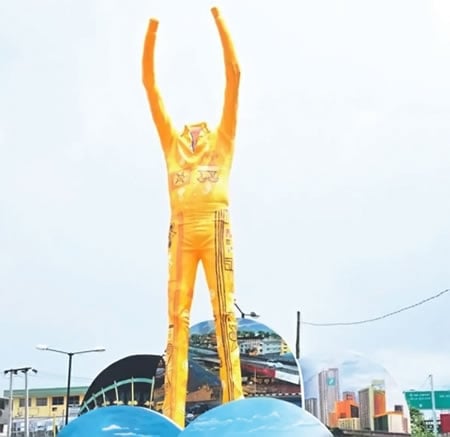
(232, 71)
(161, 119)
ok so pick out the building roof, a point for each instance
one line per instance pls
(46, 392)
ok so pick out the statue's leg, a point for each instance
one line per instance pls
(183, 261)
(217, 259)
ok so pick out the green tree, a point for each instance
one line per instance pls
(418, 426)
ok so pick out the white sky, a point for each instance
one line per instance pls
(339, 192)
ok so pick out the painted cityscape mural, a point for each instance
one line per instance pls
(348, 391)
(268, 367)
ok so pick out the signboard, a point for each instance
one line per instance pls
(422, 399)
(331, 380)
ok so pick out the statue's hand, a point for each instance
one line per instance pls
(153, 26)
(215, 11)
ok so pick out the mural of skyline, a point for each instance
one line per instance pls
(351, 392)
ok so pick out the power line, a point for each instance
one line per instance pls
(50, 375)
(375, 319)
(53, 376)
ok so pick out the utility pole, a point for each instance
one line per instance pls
(27, 420)
(11, 373)
(10, 404)
(433, 406)
(27, 430)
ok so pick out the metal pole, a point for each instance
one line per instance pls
(68, 387)
(10, 418)
(239, 309)
(251, 314)
(297, 343)
(27, 433)
(433, 406)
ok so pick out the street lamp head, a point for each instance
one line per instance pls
(254, 315)
(44, 347)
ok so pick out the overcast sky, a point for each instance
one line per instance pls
(339, 192)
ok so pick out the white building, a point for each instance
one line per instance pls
(311, 405)
(328, 393)
(259, 346)
(350, 423)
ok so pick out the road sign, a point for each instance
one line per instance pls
(422, 399)
(442, 400)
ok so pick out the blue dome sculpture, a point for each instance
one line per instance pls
(119, 421)
(262, 417)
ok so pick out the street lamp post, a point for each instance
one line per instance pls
(251, 314)
(69, 373)
(433, 406)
